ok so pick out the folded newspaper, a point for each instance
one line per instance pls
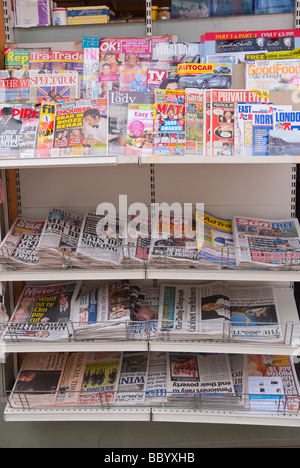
(43, 313)
(264, 243)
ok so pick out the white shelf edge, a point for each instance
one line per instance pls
(77, 414)
(169, 274)
(220, 160)
(224, 417)
(72, 275)
(21, 163)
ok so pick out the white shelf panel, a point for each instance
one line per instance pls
(77, 414)
(72, 275)
(169, 274)
(220, 160)
(58, 162)
(224, 417)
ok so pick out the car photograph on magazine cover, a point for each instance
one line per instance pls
(207, 80)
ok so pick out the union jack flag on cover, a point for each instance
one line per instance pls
(54, 87)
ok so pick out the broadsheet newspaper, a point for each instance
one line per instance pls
(133, 379)
(267, 243)
(42, 313)
(254, 314)
(215, 245)
(157, 379)
(38, 381)
(100, 245)
(19, 246)
(193, 312)
(272, 384)
(208, 375)
(60, 236)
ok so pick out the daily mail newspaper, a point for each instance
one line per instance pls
(42, 313)
(190, 374)
(254, 314)
(60, 236)
(38, 381)
(265, 243)
(19, 246)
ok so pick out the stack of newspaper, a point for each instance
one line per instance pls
(194, 312)
(100, 242)
(133, 379)
(264, 243)
(18, 250)
(59, 238)
(105, 312)
(173, 242)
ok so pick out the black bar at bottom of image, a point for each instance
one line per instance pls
(141, 457)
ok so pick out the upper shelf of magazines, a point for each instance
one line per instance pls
(230, 97)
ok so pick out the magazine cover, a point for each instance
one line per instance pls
(41, 61)
(14, 89)
(80, 128)
(101, 379)
(42, 313)
(133, 379)
(254, 314)
(176, 52)
(19, 246)
(205, 75)
(207, 118)
(39, 379)
(284, 142)
(118, 102)
(139, 130)
(54, 87)
(45, 130)
(272, 384)
(286, 120)
(169, 122)
(115, 52)
(194, 120)
(267, 243)
(165, 76)
(18, 129)
(16, 59)
(69, 61)
(133, 78)
(273, 75)
(223, 118)
(216, 247)
(91, 72)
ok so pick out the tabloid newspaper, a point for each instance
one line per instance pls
(208, 375)
(157, 379)
(254, 314)
(144, 316)
(117, 51)
(173, 241)
(38, 381)
(194, 120)
(18, 130)
(133, 379)
(272, 75)
(42, 313)
(136, 250)
(223, 118)
(118, 102)
(80, 128)
(216, 245)
(169, 122)
(101, 379)
(238, 365)
(19, 246)
(139, 130)
(60, 236)
(264, 243)
(54, 87)
(45, 130)
(272, 384)
(193, 312)
(100, 244)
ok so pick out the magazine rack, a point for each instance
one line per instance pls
(262, 187)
